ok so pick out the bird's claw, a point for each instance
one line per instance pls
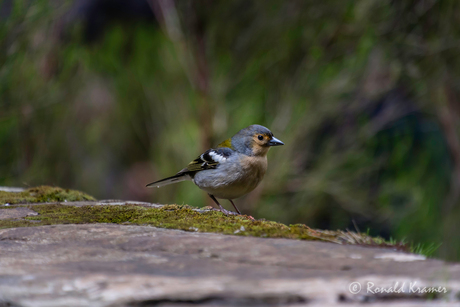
(227, 212)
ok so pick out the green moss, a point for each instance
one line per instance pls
(43, 194)
(185, 218)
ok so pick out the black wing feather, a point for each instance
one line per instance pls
(203, 162)
(206, 160)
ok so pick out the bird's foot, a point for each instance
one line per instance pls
(227, 212)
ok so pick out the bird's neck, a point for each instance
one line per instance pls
(247, 147)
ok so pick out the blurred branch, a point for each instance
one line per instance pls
(166, 14)
(192, 57)
(448, 118)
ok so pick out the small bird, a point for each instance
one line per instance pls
(231, 170)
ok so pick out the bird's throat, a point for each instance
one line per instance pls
(260, 151)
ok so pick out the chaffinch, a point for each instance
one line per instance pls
(231, 170)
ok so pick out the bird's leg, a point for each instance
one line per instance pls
(226, 212)
(248, 216)
(235, 207)
(215, 200)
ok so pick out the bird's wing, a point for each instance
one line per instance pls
(208, 160)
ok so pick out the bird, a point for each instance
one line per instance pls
(232, 169)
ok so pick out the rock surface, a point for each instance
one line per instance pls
(125, 265)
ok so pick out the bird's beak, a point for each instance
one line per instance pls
(275, 142)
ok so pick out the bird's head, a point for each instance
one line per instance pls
(254, 140)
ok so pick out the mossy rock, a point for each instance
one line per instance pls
(43, 194)
(59, 210)
(185, 218)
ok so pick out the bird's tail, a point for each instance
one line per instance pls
(173, 179)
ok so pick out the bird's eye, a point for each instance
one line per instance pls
(260, 137)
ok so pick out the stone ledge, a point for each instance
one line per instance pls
(109, 254)
(123, 265)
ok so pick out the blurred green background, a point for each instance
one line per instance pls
(105, 96)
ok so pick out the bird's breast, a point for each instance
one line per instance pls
(233, 178)
(254, 167)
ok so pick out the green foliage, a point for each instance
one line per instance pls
(425, 249)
